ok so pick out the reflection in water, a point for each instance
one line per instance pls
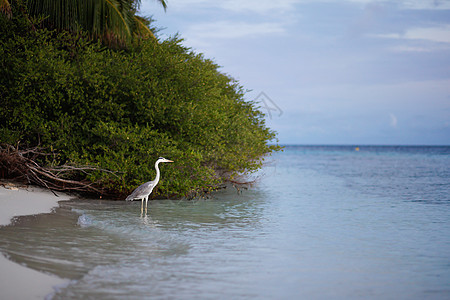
(83, 234)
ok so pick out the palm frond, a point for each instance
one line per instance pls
(5, 8)
(137, 4)
(113, 21)
(142, 28)
(98, 17)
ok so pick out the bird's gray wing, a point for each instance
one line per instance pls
(141, 191)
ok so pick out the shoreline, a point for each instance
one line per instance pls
(18, 281)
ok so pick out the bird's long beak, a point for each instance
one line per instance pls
(169, 160)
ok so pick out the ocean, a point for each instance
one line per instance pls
(320, 222)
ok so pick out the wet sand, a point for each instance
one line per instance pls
(17, 281)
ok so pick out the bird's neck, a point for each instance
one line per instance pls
(157, 172)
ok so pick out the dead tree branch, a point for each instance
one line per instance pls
(22, 165)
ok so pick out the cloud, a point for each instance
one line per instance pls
(425, 4)
(403, 4)
(418, 48)
(259, 6)
(434, 34)
(393, 121)
(420, 39)
(232, 30)
(252, 6)
(271, 7)
(439, 34)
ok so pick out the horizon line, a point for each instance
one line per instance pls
(362, 145)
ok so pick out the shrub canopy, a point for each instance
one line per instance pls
(121, 109)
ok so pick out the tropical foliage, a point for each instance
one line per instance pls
(119, 110)
(113, 21)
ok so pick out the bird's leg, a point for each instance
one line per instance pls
(142, 206)
(146, 200)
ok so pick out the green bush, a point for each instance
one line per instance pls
(122, 109)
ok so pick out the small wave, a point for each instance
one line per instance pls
(84, 221)
(77, 210)
(58, 288)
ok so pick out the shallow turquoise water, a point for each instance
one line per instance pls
(321, 223)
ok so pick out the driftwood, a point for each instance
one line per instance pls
(23, 166)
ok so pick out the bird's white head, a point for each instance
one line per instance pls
(162, 159)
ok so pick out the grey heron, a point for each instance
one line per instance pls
(144, 190)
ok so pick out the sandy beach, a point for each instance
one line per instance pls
(17, 281)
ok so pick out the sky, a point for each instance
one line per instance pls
(328, 71)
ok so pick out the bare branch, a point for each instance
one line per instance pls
(15, 163)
